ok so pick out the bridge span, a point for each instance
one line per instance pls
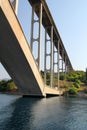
(16, 54)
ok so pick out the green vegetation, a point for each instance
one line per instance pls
(76, 82)
(7, 86)
(73, 90)
(72, 82)
(76, 75)
(47, 77)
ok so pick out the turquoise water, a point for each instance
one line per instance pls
(56, 113)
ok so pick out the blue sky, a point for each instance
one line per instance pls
(70, 17)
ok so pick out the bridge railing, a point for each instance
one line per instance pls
(43, 38)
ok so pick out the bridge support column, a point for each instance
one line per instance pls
(51, 59)
(50, 54)
(56, 63)
(62, 61)
(46, 55)
(53, 64)
(58, 75)
(38, 39)
(65, 65)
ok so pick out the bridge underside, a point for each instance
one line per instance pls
(13, 59)
(16, 57)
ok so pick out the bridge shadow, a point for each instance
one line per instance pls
(22, 116)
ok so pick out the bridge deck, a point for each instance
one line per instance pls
(15, 54)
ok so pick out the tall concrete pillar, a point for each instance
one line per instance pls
(46, 55)
(38, 39)
(58, 72)
(53, 63)
(50, 70)
(65, 65)
(62, 61)
(51, 59)
(56, 63)
(32, 30)
(68, 67)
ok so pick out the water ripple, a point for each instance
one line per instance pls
(57, 113)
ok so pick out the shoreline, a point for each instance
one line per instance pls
(80, 94)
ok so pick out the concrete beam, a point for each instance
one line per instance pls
(15, 54)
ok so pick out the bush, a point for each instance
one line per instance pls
(3, 85)
(70, 78)
(62, 76)
(73, 90)
(78, 81)
(76, 75)
(7, 85)
(11, 86)
(76, 85)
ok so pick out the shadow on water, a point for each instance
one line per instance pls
(22, 114)
(56, 113)
(35, 114)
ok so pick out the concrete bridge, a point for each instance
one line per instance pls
(16, 54)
